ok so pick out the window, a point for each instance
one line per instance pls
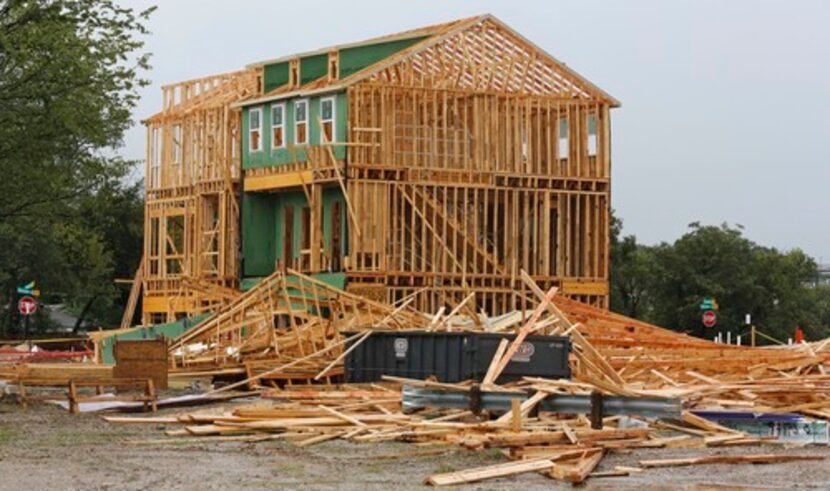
(592, 135)
(563, 138)
(278, 126)
(327, 116)
(155, 159)
(255, 130)
(301, 122)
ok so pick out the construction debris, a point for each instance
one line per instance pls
(634, 385)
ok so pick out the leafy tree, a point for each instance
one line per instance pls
(665, 284)
(632, 269)
(69, 74)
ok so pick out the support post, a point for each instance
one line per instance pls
(596, 410)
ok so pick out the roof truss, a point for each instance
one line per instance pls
(482, 54)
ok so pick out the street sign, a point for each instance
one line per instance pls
(27, 305)
(709, 303)
(28, 289)
(710, 318)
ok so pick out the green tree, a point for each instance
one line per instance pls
(665, 284)
(69, 74)
(632, 271)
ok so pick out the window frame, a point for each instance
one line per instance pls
(563, 142)
(296, 122)
(155, 157)
(251, 131)
(333, 118)
(592, 138)
(282, 107)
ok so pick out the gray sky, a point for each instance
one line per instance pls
(725, 104)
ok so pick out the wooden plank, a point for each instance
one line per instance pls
(489, 472)
(729, 459)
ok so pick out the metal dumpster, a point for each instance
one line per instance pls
(453, 357)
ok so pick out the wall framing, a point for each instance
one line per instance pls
(191, 208)
(464, 154)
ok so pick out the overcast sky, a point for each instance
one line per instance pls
(725, 104)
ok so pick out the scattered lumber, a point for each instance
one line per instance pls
(276, 334)
(729, 459)
(489, 472)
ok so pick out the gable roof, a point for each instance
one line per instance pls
(409, 34)
(478, 53)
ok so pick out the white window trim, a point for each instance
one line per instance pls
(307, 130)
(281, 125)
(251, 131)
(333, 117)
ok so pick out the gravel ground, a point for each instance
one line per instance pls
(46, 448)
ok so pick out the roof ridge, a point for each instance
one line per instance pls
(428, 30)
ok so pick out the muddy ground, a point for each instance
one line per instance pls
(46, 448)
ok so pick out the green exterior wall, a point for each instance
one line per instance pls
(313, 67)
(258, 233)
(330, 196)
(267, 156)
(359, 57)
(284, 200)
(352, 60)
(274, 75)
(263, 222)
(263, 214)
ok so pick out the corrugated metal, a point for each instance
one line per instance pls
(453, 357)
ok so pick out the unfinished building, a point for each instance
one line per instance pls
(435, 163)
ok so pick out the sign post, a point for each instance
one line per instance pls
(27, 306)
(709, 317)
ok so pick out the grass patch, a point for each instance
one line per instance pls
(6, 435)
(374, 468)
(444, 468)
(71, 434)
(8, 406)
(489, 454)
(289, 470)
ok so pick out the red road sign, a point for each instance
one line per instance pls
(27, 305)
(710, 318)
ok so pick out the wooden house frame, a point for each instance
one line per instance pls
(191, 195)
(436, 162)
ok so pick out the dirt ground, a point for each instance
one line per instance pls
(46, 448)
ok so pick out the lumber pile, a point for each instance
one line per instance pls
(283, 319)
(59, 373)
(294, 327)
(559, 446)
(291, 327)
